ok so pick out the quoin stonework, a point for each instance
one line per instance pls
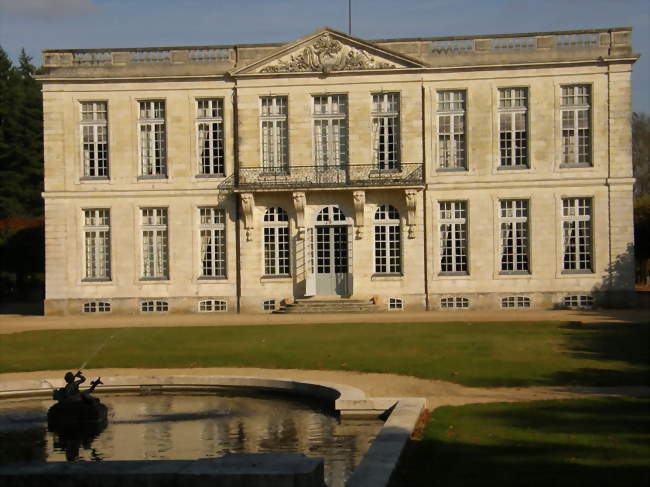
(481, 172)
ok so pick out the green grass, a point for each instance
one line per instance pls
(594, 442)
(477, 354)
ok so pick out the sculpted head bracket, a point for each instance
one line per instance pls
(325, 55)
(299, 205)
(411, 207)
(359, 212)
(248, 204)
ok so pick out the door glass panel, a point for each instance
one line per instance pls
(323, 250)
(340, 250)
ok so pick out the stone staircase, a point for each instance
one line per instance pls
(332, 305)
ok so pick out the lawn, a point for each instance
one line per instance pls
(595, 442)
(475, 354)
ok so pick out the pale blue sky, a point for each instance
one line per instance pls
(69, 24)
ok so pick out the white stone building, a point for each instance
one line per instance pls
(467, 172)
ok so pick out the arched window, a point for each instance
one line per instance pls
(388, 241)
(276, 242)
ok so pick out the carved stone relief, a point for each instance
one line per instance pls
(248, 204)
(411, 207)
(299, 205)
(326, 54)
(359, 213)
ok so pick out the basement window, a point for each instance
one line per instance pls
(510, 302)
(583, 301)
(212, 305)
(154, 306)
(97, 307)
(269, 305)
(395, 303)
(454, 302)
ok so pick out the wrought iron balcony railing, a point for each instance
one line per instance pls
(294, 177)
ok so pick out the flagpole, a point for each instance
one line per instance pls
(350, 17)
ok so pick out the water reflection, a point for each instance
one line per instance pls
(190, 427)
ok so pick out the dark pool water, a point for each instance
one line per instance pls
(175, 427)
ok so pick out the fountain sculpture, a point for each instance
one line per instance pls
(75, 407)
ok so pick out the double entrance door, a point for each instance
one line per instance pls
(331, 259)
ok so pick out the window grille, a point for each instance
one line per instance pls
(395, 303)
(97, 244)
(513, 127)
(274, 133)
(388, 251)
(583, 301)
(269, 305)
(386, 130)
(209, 131)
(576, 234)
(94, 139)
(213, 242)
(453, 237)
(451, 130)
(331, 130)
(514, 235)
(97, 307)
(575, 111)
(515, 302)
(276, 242)
(154, 306)
(213, 305)
(155, 249)
(153, 138)
(456, 302)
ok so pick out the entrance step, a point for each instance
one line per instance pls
(332, 305)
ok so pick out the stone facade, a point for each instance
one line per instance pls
(430, 174)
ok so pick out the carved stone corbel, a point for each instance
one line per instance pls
(359, 212)
(411, 206)
(248, 204)
(299, 205)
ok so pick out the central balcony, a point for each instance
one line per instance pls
(348, 176)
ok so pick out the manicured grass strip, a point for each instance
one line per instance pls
(599, 442)
(479, 354)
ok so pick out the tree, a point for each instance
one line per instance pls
(641, 154)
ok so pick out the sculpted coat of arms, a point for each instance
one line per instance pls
(327, 54)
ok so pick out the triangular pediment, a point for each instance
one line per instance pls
(328, 50)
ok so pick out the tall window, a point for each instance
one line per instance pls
(388, 245)
(276, 242)
(213, 242)
(153, 150)
(275, 135)
(575, 108)
(94, 135)
(385, 130)
(209, 129)
(513, 127)
(453, 237)
(576, 232)
(97, 244)
(155, 249)
(514, 235)
(331, 130)
(451, 130)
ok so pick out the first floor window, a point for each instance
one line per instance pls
(513, 127)
(576, 233)
(94, 138)
(331, 130)
(385, 130)
(155, 250)
(213, 242)
(274, 133)
(388, 251)
(97, 244)
(575, 108)
(276, 242)
(451, 130)
(514, 235)
(153, 139)
(209, 130)
(453, 237)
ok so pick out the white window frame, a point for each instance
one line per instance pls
(276, 242)
(514, 238)
(387, 246)
(514, 302)
(577, 235)
(514, 140)
(454, 238)
(452, 138)
(152, 137)
(395, 304)
(454, 302)
(212, 242)
(94, 139)
(330, 130)
(385, 120)
(155, 243)
(213, 306)
(154, 306)
(269, 305)
(97, 244)
(274, 133)
(96, 307)
(575, 121)
(210, 140)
